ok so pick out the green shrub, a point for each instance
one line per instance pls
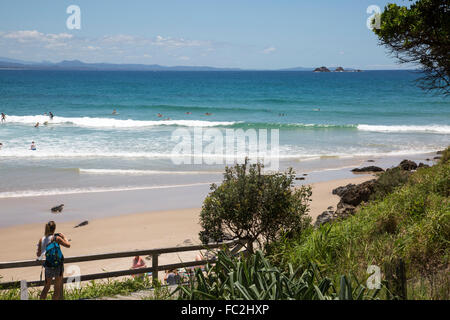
(254, 206)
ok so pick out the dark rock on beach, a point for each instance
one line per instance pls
(324, 217)
(423, 165)
(299, 178)
(352, 195)
(57, 208)
(408, 165)
(368, 169)
(84, 223)
(370, 160)
(356, 194)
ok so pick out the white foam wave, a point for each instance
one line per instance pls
(112, 123)
(140, 172)
(54, 192)
(443, 129)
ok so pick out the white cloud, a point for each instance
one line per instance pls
(269, 50)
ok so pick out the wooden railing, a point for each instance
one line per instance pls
(235, 246)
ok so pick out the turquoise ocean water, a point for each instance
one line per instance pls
(325, 120)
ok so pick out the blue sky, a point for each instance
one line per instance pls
(251, 34)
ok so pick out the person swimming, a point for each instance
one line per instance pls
(36, 125)
(114, 111)
(159, 115)
(33, 146)
(208, 114)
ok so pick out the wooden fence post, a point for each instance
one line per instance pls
(395, 273)
(155, 267)
(23, 290)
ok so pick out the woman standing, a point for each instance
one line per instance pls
(49, 247)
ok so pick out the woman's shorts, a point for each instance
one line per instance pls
(51, 273)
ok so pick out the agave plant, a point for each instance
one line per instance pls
(254, 278)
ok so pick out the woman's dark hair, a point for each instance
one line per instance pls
(50, 228)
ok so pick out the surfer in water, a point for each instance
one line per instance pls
(114, 111)
(36, 125)
(33, 146)
(3, 117)
(50, 115)
(1, 145)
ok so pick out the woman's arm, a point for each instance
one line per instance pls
(38, 252)
(61, 239)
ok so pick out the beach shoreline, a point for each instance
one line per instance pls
(127, 232)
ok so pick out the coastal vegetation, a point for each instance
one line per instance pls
(407, 221)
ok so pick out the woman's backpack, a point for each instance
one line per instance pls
(53, 255)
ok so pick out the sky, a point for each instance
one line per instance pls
(249, 34)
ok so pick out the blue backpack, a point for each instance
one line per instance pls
(53, 255)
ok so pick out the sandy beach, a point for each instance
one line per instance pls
(130, 232)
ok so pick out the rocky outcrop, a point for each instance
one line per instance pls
(325, 217)
(322, 69)
(339, 69)
(408, 165)
(356, 194)
(368, 169)
(353, 195)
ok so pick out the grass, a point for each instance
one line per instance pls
(92, 289)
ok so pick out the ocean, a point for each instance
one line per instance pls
(326, 121)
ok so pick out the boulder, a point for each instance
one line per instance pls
(324, 217)
(299, 178)
(84, 223)
(339, 69)
(368, 169)
(339, 191)
(356, 194)
(344, 209)
(423, 165)
(408, 165)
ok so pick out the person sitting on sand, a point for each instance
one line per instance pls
(3, 117)
(52, 272)
(138, 263)
(172, 277)
(33, 146)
